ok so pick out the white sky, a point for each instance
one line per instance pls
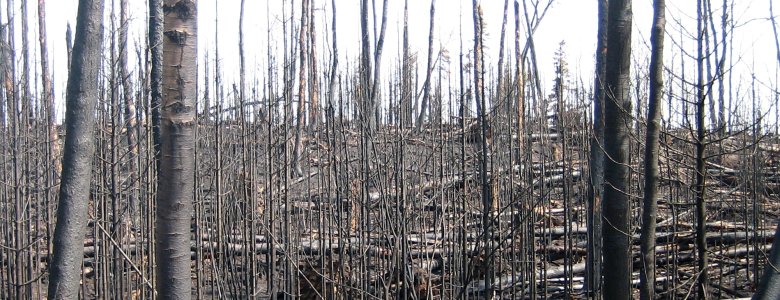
(572, 21)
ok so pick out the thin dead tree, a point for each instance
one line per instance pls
(241, 58)
(155, 72)
(519, 84)
(407, 93)
(12, 93)
(593, 265)
(27, 100)
(21, 169)
(769, 287)
(47, 100)
(721, 62)
(774, 29)
(365, 106)
(702, 281)
(4, 73)
(428, 69)
(81, 97)
(486, 189)
(374, 89)
(300, 117)
(499, 96)
(334, 65)
(128, 95)
(314, 78)
(650, 204)
(69, 43)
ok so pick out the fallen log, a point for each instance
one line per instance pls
(509, 280)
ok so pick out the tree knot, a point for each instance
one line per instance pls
(184, 9)
(178, 37)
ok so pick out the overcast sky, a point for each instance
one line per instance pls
(572, 21)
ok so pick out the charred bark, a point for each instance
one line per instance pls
(82, 95)
(617, 124)
(650, 205)
(155, 73)
(593, 281)
(700, 187)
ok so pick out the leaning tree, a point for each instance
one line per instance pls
(81, 97)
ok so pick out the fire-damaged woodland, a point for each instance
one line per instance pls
(397, 174)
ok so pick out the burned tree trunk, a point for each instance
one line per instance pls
(129, 109)
(314, 83)
(4, 73)
(407, 92)
(596, 164)
(27, 101)
(520, 85)
(333, 68)
(486, 192)
(617, 124)
(365, 106)
(9, 64)
(650, 205)
(47, 98)
(428, 69)
(499, 96)
(155, 73)
(374, 90)
(701, 217)
(177, 137)
(82, 95)
(300, 117)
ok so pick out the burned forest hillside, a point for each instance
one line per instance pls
(361, 149)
